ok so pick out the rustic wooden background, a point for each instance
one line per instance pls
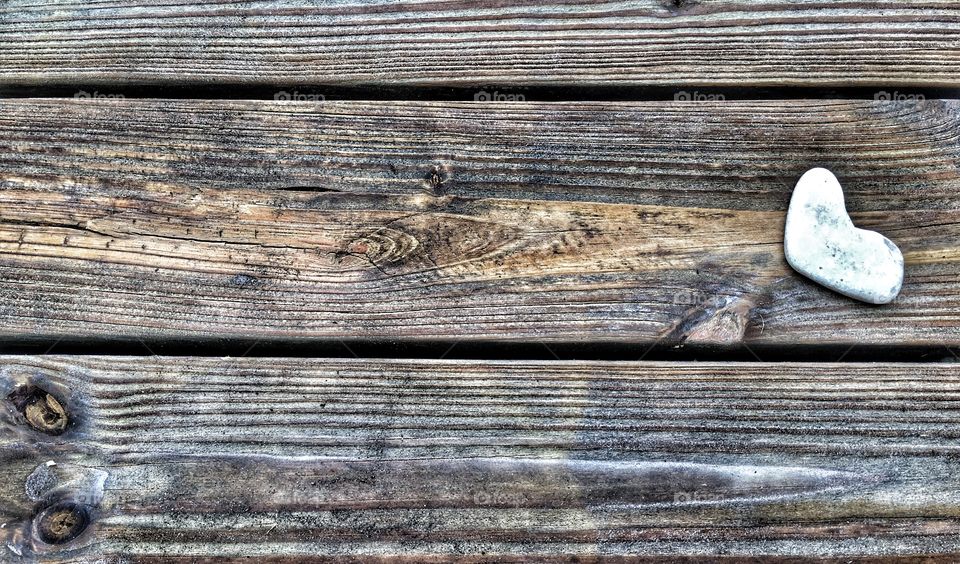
(156, 189)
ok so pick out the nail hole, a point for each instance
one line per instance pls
(62, 522)
(42, 411)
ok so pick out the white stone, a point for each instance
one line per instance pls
(821, 243)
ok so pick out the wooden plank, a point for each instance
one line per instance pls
(201, 457)
(488, 42)
(628, 222)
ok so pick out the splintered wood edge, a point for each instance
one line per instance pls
(204, 457)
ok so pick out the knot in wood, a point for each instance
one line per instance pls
(386, 245)
(42, 411)
(678, 5)
(61, 522)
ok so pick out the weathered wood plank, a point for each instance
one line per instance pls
(455, 43)
(633, 222)
(195, 457)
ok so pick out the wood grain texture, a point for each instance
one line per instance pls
(292, 458)
(634, 222)
(505, 43)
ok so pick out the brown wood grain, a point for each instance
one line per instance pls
(294, 458)
(629, 222)
(488, 42)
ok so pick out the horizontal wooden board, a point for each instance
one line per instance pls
(655, 222)
(487, 42)
(293, 458)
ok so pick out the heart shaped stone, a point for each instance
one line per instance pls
(821, 243)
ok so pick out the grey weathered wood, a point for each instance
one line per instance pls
(381, 43)
(631, 222)
(196, 457)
